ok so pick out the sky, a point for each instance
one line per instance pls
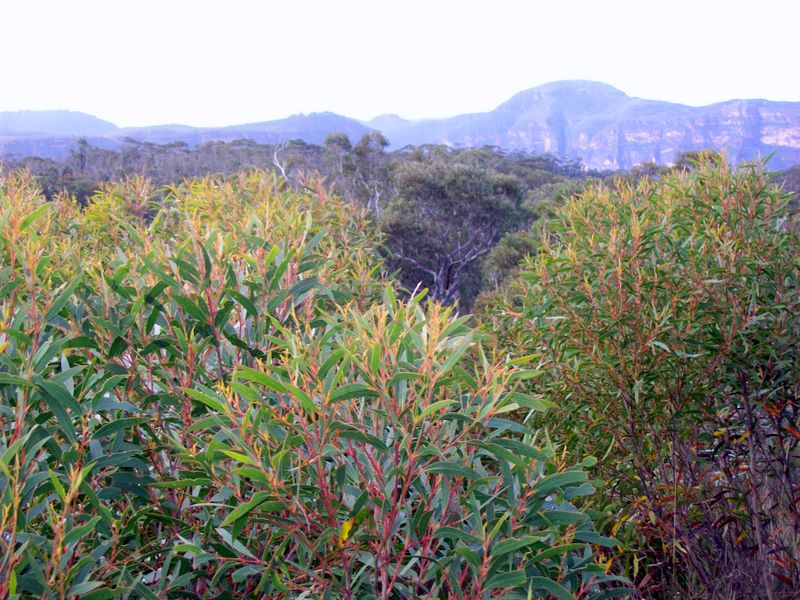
(219, 63)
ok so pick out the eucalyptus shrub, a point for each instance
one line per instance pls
(665, 317)
(217, 396)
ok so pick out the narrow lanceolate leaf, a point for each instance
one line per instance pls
(454, 533)
(364, 437)
(456, 354)
(507, 580)
(79, 533)
(306, 403)
(239, 457)
(556, 550)
(65, 422)
(352, 390)
(559, 480)
(234, 543)
(212, 401)
(118, 425)
(259, 501)
(59, 393)
(62, 299)
(529, 401)
(195, 310)
(592, 537)
(435, 407)
(7, 379)
(553, 587)
(244, 301)
(514, 544)
(29, 219)
(261, 378)
(83, 588)
(452, 469)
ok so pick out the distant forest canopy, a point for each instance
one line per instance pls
(338, 159)
(455, 220)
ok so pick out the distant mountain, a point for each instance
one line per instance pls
(312, 128)
(589, 120)
(609, 130)
(17, 140)
(388, 122)
(53, 122)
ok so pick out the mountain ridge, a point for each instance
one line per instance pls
(588, 120)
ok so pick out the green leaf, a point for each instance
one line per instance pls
(558, 481)
(660, 345)
(453, 533)
(67, 427)
(57, 485)
(305, 402)
(456, 354)
(260, 378)
(30, 218)
(118, 425)
(352, 390)
(195, 310)
(212, 401)
(235, 544)
(469, 555)
(256, 501)
(80, 589)
(78, 533)
(529, 401)
(80, 342)
(452, 469)
(244, 301)
(62, 299)
(58, 393)
(556, 550)
(513, 544)
(242, 458)
(553, 587)
(511, 579)
(366, 438)
(8, 379)
(592, 537)
(435, 407)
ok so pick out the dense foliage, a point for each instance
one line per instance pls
(216, 395)
(444, 218)
(665, 318)
(410, 180)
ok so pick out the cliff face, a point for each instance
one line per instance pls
(610, 130)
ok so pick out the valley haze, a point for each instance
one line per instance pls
(591, 121)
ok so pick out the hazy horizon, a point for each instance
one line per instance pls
(202, 65)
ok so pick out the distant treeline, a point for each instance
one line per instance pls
(344, 163)
(455, 220)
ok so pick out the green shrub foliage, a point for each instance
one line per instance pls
(665, 317)
(219, 397)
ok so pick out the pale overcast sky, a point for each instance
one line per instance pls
(148, 62)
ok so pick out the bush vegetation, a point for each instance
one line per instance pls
(664, 319)
(218, 395)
